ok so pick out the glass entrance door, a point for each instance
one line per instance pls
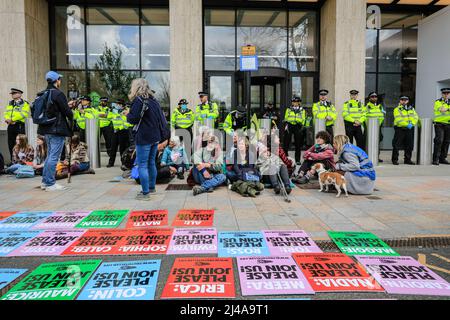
(264, 91)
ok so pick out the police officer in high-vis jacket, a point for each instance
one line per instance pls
(206, 109)
(105, 124)
(183, 117)
(405, 119)
(375, 110)
(84, 111)
(294, 120)
(235, 120)
(442, 128)
(17, 111)
(272, 114)
(324, 109)
(120, 137)
(354, 114)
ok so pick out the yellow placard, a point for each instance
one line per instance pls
(248, 51)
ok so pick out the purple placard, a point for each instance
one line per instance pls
(285, 243)
(404, 275)
(49, 243)
(271, 276)
(193, 241)
(62, 220)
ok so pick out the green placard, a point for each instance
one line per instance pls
(361, 243)
(103, 219)
(54, 281)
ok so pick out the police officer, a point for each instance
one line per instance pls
(405, 119)
(120, 137)
(324, 109)
(442, 128)
(375, 110)
(235, 120)
(183, 117)
(354, 114)
(294, 118)
(105, 124)
(84, 111)
(206, 110)
(17, 111)
(271, 113)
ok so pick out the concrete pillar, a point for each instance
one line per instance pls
(342, 51)
(186, 53)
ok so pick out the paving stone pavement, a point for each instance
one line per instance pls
(409, 201)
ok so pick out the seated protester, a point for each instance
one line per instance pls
(289, 162)
(207, 170)
(175, 158)
(79, 160)
(321, 152)
(244, 163)
(23, 154)
(355, 165)
(270, 165)
(40, 155)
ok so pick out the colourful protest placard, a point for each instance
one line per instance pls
(193, 241)
(97, 242)
(285, 243)
(404, 275)
(271, 276)
(148, 218)
(6, 214)
(62, 220)
(128, 280)
(49, 243)
(54, 281)
(103, 219)
(194, 218)
(245, 243)
(9, 275)
(200, 278)
(332, 272)
(361, 243)
(9, 241)
(23, 220)
(154, 241)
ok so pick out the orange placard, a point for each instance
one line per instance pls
(147, 218)
(200, 278)
(194, 218)
(6, 214)
(248, 51)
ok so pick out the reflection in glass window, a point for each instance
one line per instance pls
(155, 39)
(73, 84)
(398, 50)
(303, 87)
(159, 82)
(302, 37)
(115, 85)
(371, 50)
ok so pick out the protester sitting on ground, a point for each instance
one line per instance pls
(22, 154)
(175, 158)
(355, 165)
(321, 152)
(270, 165)
(79, 160)
(40, 154)
(288, 161)
(244, 163)
(207, 170)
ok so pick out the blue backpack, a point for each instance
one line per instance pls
(42, 110)
(24, 172)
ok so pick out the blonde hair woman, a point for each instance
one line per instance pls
(355, 165)
(150, 129)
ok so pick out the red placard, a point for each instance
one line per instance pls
(155, 241)
(331, 272)
(97, 242)
(147, 218)
(200, 278)
(6, 214)
(194, 218)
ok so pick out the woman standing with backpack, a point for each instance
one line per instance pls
(150, 129)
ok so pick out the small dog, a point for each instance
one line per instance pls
(328, 178)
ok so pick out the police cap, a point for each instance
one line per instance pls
(296, 99)
(354, 92)
(445, 90)
(183, 101)
(14, 90)
(323, 92)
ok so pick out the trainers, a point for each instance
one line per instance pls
(43, 186)
(303, 180)
(55, 187)
(288, 190)
(277, 189)
(197, 190)
(180, 176)
(143, 197)
(444, 161)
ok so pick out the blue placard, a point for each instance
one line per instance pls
(241, 244)
(249, 63)
(23, 220)
(9, 241)
(9, 275)
(127, 280)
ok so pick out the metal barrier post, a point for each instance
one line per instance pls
(426, 142)
(31, 132)
(92, 140)
(373, 140)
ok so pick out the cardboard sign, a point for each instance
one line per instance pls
(155, 241)
(194, 218)
(23, 220)
(9, 275)
(9, 241)
(54, 281)
(404, 275)
(285, 243)
(6, 214)
(361, 243)
(129, 280)
(62, 220)
(200, 278)
(246, 243)
(149, 218)
(49, 243)
(331, 272)
(97, 242)
(193, 241)
(103, 219)
(271, 276)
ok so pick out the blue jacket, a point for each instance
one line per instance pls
(149, 131)
(167, 157)
(366, 166)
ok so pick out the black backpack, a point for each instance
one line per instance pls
(43, 109)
